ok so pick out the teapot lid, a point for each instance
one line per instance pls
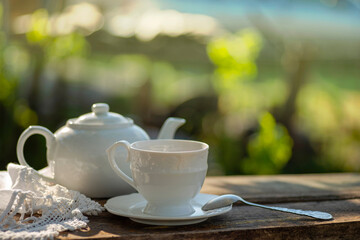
(100, 117)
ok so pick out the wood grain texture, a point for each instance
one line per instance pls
(287, 188)
(307, 192)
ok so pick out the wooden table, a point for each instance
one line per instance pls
(337, 194)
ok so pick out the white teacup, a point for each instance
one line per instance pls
(167, 173)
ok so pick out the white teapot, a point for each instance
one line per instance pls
(76, 153)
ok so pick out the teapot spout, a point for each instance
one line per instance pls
(169, 127)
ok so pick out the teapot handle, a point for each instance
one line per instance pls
(49, 136)
(111, 152)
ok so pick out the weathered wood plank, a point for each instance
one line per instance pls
(242, 221)
(287, 188)
(310, 191)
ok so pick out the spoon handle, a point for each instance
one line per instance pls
(228, 199)
(313, 214)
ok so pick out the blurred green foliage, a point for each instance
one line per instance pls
(234, 56)
(58, 46)
(38, 32)
(17, 110)
(269, 149)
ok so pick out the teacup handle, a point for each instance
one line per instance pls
(111, 152)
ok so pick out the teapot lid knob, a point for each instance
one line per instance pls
(100, 108)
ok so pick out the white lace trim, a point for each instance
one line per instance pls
(40, 209)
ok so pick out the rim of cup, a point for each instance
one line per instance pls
(202, 146)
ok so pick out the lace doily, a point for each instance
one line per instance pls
(35, 208)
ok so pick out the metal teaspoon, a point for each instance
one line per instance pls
(228, 199)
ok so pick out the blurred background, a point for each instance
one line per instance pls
(272, 86)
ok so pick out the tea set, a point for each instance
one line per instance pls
(76, 153)
(105, 155)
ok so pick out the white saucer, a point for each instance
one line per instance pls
(132, 205)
